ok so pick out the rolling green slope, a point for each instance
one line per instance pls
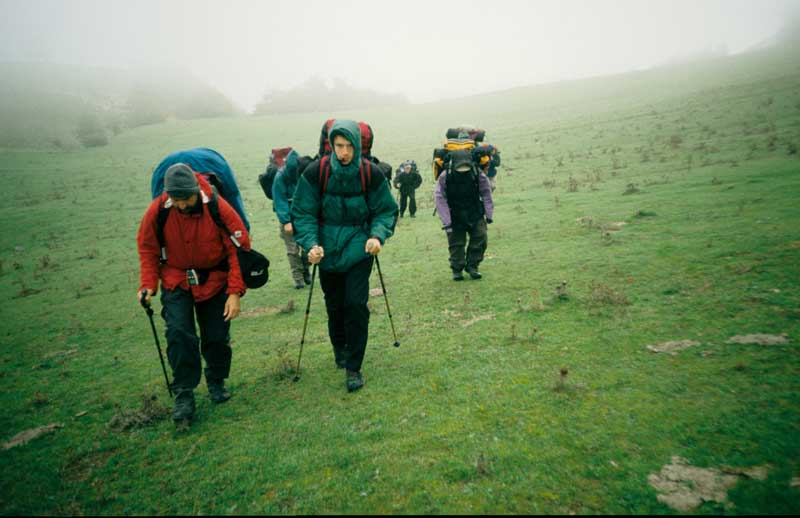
(631, 211)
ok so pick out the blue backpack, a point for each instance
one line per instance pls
(212, 166)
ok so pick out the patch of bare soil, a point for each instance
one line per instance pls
(59, 354)
(475, 320)
(127, 419)
(615, 226)
(672, 347)
(451, 314)
(81, 467)
(684, 487)
(376, 292)
(260, 312)
(759, 339)
(29, 435)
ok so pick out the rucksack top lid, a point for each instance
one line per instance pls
(461, 160)
(367, 138)
(278, 155)
(466, 131)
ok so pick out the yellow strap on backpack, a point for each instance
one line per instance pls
(456, 144)
(438, 165)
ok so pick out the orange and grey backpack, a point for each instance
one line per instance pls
(367, 138)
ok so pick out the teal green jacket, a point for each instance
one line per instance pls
(341, 219)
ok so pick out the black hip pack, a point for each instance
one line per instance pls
(254, 265)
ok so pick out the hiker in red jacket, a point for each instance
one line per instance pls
(199, 272)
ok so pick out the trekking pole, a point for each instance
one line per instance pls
(385, 299)
(149, 311)
(305, 323)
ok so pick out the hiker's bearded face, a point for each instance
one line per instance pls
(186, 205)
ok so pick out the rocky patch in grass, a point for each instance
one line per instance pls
(29, 435)
(684, 487)
(759, 339)
(260, 312)
(127, 419)
(673, 346)
(475, 320)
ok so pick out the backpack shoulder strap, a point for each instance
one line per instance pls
(365, 182)
(161, 221)
(324, 173)
(213, 210)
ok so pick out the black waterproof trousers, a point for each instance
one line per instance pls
(408, 198)
(457, 241)
(184, 347)
(346, 296)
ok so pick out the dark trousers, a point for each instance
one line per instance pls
(409, 198)
(457, 241)
(184, 347)
(346, 296)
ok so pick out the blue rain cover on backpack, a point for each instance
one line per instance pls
(203, 160)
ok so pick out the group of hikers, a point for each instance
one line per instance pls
(335, 213)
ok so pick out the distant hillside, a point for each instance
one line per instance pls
(315, 96)
(637, 88)
(66, 106)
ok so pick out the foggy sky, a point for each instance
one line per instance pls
(425, 49)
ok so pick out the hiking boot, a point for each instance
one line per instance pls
(299, 285)
(474, 273)
(457, 275)
(184, 406)
(354, 380)
(217, 391)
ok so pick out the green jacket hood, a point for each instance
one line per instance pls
(349, 130)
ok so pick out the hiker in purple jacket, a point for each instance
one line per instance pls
(463, 199)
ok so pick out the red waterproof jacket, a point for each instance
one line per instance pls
(192, 241)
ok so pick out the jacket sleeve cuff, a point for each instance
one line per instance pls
(236, 291)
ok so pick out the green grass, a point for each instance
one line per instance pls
(468, 415)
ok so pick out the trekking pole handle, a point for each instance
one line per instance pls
(144, 303)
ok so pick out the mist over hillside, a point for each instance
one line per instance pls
(314, 95)
(66, 106)
(44, 105)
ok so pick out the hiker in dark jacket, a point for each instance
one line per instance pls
(282, 192)
(200, 276)
(494, 163)
(343, 212)
(407, 181)
(463, 199)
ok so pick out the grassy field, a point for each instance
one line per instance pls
(666, 201)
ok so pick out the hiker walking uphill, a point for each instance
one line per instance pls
(464, 203)
(343, 212)
(282, 194)
(182, 246)
(407, 181)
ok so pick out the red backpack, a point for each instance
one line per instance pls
(277, 159)
(278, 156)
(367, 138)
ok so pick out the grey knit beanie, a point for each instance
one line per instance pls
(179, 181)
